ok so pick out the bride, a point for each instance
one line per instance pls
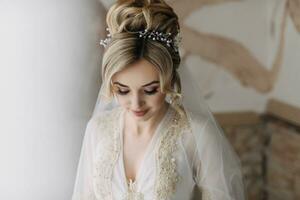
(151, 135)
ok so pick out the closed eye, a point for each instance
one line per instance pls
(121, 92)
(148, 92)
(151, 92)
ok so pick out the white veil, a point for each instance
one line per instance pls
(219, 166)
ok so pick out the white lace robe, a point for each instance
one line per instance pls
(170, 169)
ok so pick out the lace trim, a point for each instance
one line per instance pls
(132, 194)
(206, 194)
(106, 155)
(167, 176)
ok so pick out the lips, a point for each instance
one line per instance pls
(140, 113)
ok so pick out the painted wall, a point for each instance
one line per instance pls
(259, 27)
(287, 88)
(246, 23)
(49, 80)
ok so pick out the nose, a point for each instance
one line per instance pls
(137, 101)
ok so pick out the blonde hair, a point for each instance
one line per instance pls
(124, 19)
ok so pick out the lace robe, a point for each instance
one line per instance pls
(170, 169)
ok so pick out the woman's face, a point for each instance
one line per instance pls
(137, 89)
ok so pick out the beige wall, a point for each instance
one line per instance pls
(288, 88)
(249, 23)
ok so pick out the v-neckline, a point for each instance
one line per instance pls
(150, 145)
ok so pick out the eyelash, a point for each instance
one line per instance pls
(146, 92)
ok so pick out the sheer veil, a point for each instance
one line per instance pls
(220, 167)
(221, 170)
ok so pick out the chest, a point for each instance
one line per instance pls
(134, 152)
(134, 147)
(108, 155)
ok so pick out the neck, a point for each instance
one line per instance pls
(145, 127)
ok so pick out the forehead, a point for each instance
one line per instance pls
(137, 74)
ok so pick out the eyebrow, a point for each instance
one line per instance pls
(152, 82)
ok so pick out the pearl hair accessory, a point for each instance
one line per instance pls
(152, 35)
(106, 40)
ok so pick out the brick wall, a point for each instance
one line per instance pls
(270, 154)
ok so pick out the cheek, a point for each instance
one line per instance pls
(123, 100)
(156, 100)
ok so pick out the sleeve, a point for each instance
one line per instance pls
(83, 187)
(216, 166)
